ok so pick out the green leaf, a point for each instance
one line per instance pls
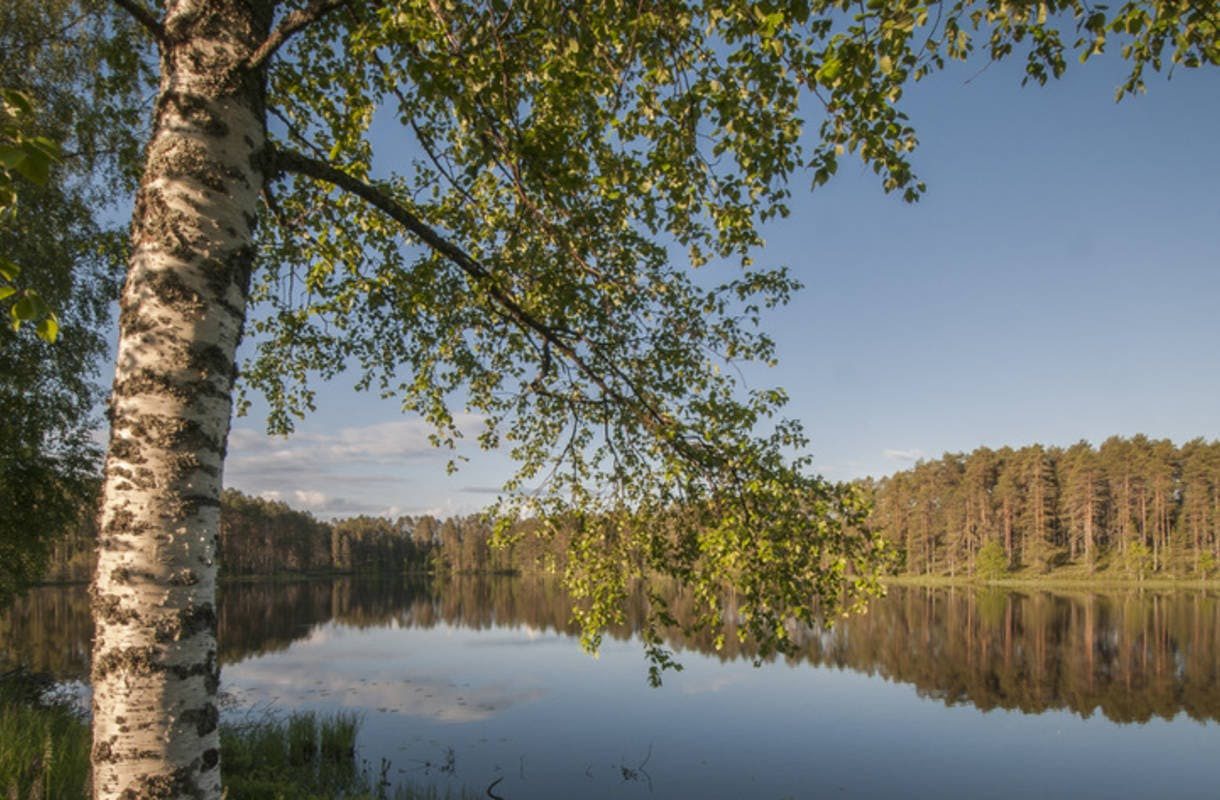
(48, 329)
(36, 167)
(6, 292)
(11, 156)
(829, 71)
(29, 308)
(8, 270)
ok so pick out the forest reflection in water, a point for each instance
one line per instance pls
(1131, 656)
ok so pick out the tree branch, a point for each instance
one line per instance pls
(137, 11)
(655, 420)
(297, 20)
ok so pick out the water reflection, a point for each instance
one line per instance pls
(1132, 656)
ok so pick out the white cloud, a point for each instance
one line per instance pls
(357, 469)
(309, 499)
(379, 443)
(903, 455)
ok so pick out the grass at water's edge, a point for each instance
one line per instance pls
(44, 745)
(44, 754)
(1074, 581)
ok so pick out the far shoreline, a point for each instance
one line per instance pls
(1052, 582)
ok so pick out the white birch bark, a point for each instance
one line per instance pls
(155, 670)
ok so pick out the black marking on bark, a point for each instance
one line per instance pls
(193, 163)
(186, 623)
(167, 229)
(138, 324)
(110, 608)
(211, 757)
(103, 752)
(184, 577)
(173, 291)
(121, 521)
(203, 501)
(205, 719)
(118, 471)
(132, 660)
(210, 359)
(126, 450)
(197, 111)
(145, 478)
(208, 469)
(114, 544)
(211, 680)
(162, 787)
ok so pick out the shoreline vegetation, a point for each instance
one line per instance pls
(45, 744)
(1056, 583)
(1067, 578)
(1133, 512)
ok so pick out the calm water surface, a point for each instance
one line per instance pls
(939, 693)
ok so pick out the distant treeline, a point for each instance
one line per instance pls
(266, 537)
(1134, 507)
(1137, 505)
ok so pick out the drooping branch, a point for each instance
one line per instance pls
(291, 24)
(138, 12)
(652, 417)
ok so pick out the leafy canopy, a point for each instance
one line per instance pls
(29, 157)
(69, 132)
(497, 205)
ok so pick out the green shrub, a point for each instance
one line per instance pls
(991, 563)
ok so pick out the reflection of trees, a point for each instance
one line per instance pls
(49, 630)
(1133, 656)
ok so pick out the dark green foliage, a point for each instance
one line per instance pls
(1142, 505)
(78, 64)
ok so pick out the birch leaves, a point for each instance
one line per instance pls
(28, 157)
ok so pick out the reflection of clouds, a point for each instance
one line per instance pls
(343, 668)
(513, 641)
(307, 681)
(710, 684)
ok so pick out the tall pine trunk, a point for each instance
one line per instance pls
(155, 669)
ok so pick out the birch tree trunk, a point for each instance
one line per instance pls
(155, 670)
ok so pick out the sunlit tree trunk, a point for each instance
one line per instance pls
(155, 670)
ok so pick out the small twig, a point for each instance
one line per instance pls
(291, 24)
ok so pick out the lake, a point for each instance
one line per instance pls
(934, 693)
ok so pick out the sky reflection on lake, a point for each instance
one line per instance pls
(528, 706)
(935, 693)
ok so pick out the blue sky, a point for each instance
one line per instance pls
(1058, 282)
